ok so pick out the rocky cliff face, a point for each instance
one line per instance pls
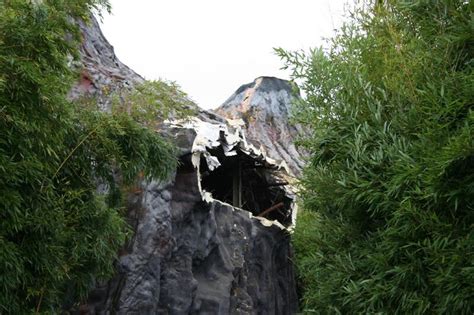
(102, 73)
(214, 238)
(264, 106)
(195, 254)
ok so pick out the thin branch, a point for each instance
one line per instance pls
(272, 208)
(72, 152)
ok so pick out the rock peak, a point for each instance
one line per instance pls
(264, 105)
(267, 84)
(265, 94)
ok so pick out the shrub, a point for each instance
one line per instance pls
(390, 179)
(58, 234)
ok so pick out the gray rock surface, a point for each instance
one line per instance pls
(189, 254)
(195, 256)
(265, 107)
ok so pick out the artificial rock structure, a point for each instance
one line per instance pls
(214, 239)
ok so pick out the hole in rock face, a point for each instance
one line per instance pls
(248, 184)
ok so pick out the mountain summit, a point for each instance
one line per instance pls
(264, 106)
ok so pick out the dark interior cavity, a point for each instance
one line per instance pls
(246, 183)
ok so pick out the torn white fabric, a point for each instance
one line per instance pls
(231, 138)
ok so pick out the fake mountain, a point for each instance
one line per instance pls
(214, 238)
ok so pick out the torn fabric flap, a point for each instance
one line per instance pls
(212, 161)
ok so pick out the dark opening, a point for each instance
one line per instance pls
(258, 192)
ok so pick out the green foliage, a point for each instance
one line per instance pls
(388, 193)
(154, 101)
(58, 233)
(150, 103)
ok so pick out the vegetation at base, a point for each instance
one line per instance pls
(59, 233)
(388, 192)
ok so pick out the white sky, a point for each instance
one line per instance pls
(211, 47)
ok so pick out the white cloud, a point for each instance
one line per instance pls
(211, 47)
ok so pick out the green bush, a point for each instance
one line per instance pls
(152, 102)
(58, 234)
(388, 192)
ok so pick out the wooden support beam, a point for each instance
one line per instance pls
(277, 184)
(237, 185)
(272, 208)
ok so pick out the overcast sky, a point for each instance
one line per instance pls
(211, 47)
